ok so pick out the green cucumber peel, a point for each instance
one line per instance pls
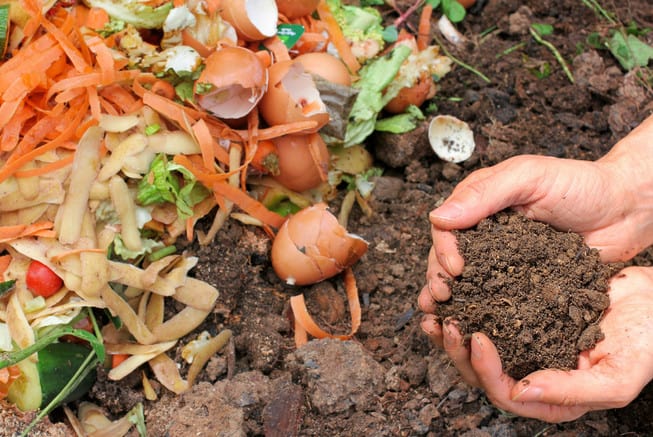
(88, 365)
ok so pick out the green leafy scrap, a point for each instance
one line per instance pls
(629, 50)
(7, 286)
(167, 181)
(400, 123)
(374, 78)
(454, 11)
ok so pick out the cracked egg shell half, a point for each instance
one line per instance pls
(254, 20)
(292, 96)
(232, 83)
(312, 246)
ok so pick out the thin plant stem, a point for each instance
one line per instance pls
(461, 63)
(555, 52)
(87, 366)
(596, 7)
(510, 50)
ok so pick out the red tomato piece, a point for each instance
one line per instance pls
(41, 280)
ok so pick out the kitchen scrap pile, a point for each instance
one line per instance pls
(123, 123)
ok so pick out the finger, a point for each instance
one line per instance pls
(426, 300)
(436, 281)
(512, 182)
(458, 353)
(504, 392)
(432, 329)
(446, 251)
(486, 363)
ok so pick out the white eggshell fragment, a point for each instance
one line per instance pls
(451, 139)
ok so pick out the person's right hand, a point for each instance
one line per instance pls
(609, 202)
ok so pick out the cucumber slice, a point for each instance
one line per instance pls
(39, 383)
(57, 364)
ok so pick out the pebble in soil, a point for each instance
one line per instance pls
(538, 293)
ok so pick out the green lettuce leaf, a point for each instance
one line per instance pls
(169, 182)
(374, 78)
(401, 123)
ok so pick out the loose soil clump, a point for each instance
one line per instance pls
(536, 292)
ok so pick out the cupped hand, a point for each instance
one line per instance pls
(610, 375)
(600, 200)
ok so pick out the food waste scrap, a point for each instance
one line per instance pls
(123, 123)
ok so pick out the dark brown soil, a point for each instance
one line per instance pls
(536, 292)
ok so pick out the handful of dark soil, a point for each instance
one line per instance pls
(536, 292)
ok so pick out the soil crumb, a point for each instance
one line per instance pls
(538, 293)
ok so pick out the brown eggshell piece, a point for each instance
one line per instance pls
(253, 20)
(238, 79)
(326, 66)
(312, 246)
(292, 96)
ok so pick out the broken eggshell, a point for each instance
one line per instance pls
(232, 83)
(326, 66)
(451, 139)
(292, 96)
(312, 246)
(254, 20)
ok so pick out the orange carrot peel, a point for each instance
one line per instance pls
(304, 323)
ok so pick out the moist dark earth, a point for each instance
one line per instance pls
(388, 380)
(538, 293)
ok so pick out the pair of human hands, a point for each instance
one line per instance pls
(610, 203)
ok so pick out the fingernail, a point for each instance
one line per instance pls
(447, 266)
(446, 212)
(477, 350)
(427, 327)
(448, 340)
(430, 286)
(527, 392)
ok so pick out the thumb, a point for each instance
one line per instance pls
(596, 387)
(487, 191)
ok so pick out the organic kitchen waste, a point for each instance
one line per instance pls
(122, 124)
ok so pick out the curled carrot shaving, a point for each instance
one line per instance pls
(304, 323)
(163, 88)
(96, 18)
(206, 143)
(424, 28)
(47, 168)
(337, 37)
(12, 232)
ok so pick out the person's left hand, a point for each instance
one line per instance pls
(610, 375)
